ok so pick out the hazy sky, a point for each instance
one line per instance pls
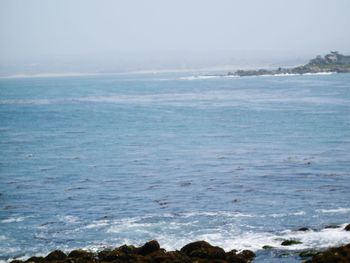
(113, 33)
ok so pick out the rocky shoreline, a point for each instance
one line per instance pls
(330, 63)
(195, 252)
(150, 252)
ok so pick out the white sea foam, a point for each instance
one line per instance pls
(229, 239)
(13, 219)
(293, 74)
(98, 224)
(26, 101)
(317, 239)
(340, 210)
(203, 77)
(219, 213)
(250, 240)
(199, 77)
(175, 234)
(320, 73)
(255, 240)
(299, 213)
(69, 219)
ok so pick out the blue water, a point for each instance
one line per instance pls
(96, 161)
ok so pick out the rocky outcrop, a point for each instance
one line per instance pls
(150, 252)
(339, 255)
(82, 254)
(304, 229)
(347, 228)
(55, 256)
(333, 62)
(202, 249)
(290, 242)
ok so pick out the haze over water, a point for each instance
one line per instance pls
(88, 36)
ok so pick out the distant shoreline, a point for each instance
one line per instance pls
(189, 77)
(330, 63)
(333, 62)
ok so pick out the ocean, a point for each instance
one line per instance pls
(241, 162)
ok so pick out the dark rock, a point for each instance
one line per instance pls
(56, 255)
(149, 247)
(339, 255)
(79, 253)
(233, 251)
(121, 253)
(267, 247)
(231, 255)
(307, 254)
(157, 256)
(290, 242)
(16, 261)
(128, 249)
(202, 249)
(111, 255)
(333, 62)
(304, 229)
(35, 259)
(347, 228)
(161, 256)
(236, 259)
(242, 257)
(331, 226)
(177, 257)
(247, 254)
(150, 252)
(103, 254)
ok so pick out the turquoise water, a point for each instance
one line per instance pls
(95, 161)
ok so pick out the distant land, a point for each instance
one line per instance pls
(334, 62)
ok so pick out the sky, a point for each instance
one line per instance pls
(116, 35)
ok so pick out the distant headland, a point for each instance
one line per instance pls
(334, 62)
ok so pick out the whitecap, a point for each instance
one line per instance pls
(319, 73)
(97, 224)
(13, 219)
(299, 213)
(69, 219)
(25, 101)
(339, 210)
(199, 77)
(219, 213)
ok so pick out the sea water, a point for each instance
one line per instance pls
(242, 162)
